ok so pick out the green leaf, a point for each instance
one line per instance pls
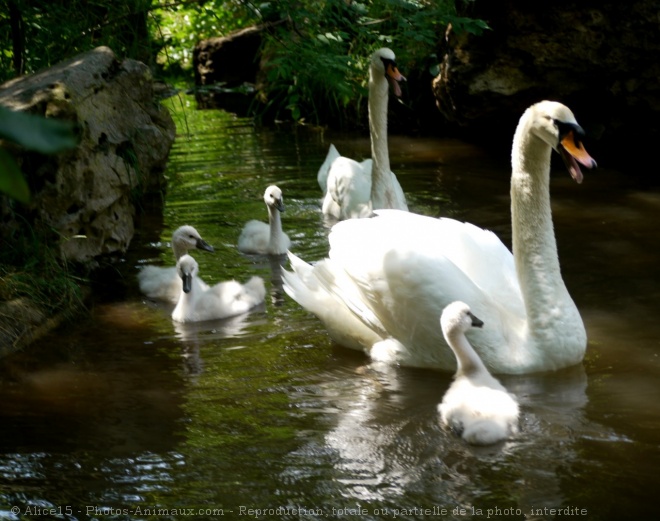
(12, 181)
(468, 25)
(37, 133)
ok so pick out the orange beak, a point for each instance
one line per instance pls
(572, 151)
(394, 77)
(576, 149)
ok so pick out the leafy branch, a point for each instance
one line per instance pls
(47, 136)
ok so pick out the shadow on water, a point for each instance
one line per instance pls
(128, 411)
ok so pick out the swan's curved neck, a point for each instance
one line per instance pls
(468, 361)
(275, 220)
(534, 244)
(179, 250)
(378, 96)
(188, 300)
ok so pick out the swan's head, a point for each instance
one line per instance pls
(457, 318)
(383, 64)
(187, 238)
(555, 124)
(187, 268)
(273, 198)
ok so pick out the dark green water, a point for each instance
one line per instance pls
(129, 416)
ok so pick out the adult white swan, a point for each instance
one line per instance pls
(476, 405)
(352, 189)
(226, 299)
(389, 277)
(163, 283)
(322, 175)
(262, 238)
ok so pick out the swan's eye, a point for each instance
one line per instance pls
(566, 128)
(388, 63)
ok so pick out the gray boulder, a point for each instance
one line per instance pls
(88, 195)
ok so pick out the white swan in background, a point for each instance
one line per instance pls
(388, 278)
(322, 175)
(476, 405)
(324, 170)
(161, 283)
(259, 237)
(352, 189)
(225, 299)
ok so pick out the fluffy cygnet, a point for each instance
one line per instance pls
(262, 238)
(476, 405)
(225, 299)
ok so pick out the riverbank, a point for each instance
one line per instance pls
(38, 290)
(83, 202)
(23, 321)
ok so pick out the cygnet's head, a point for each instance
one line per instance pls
(187, 238)
(273, 198)
(187, 268)
(457, 318)
(383, 63)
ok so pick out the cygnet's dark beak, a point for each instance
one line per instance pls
(476, 322)
(201, 244)
(187, 282)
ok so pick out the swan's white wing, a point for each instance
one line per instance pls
(336, 282)
(348, 193)
(476, 252)
(408, 267)
(483, 258)
(309, 286)
(322, 175)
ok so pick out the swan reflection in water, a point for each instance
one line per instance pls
(194, 335)
(272, 263)
(384, 440)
